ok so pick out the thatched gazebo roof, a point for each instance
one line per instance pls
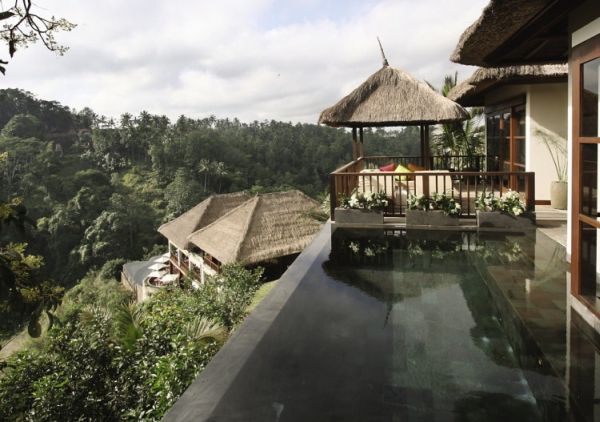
(203, 214)
(392, 97)
(264, 227)
(498, 23)
(471, 91)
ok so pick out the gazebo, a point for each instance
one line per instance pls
(392, 97)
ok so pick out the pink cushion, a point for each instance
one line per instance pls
(389, 167)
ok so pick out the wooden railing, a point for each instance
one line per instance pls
(210, 262)
(433, 162)
(183, 269)
(463, 186)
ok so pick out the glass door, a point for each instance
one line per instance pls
(506, 140)
(585, 65)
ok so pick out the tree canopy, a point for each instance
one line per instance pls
(22, 24)
(96, 190)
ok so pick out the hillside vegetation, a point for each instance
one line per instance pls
(95, 190)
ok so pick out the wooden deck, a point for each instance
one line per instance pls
(362, 175)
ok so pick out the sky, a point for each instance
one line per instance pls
(251, 59)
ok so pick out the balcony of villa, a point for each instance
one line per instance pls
(464, 178)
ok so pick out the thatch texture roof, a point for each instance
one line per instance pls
(498, 22)
(470, 92)
(203, 214)
(265, 227)
(392, 97)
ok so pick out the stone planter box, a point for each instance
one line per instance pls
(429, 218)
(500, 220)
(355, 216)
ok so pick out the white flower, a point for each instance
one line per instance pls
(354, 247)
(353, 202)
(517, 210)
(369, 252)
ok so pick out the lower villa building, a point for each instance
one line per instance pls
(239, 228)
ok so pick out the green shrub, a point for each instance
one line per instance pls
(111, 270)
(226, 296)
(112, 361)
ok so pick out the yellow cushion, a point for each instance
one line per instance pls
(401, 169)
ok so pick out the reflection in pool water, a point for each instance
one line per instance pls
(449, 351)
(421, 325)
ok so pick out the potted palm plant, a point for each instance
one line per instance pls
(557, 147)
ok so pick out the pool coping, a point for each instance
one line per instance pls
(204, 394)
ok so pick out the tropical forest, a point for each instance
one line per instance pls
(80, 195)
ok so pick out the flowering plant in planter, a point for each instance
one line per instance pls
(376, 201)
(437, 201)
(369, 249)
(510, 203)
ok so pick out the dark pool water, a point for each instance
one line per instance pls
(419, 326)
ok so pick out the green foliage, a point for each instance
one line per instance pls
(437, 201)
(99, 188)
(24, 291)
(128, 323)
(377, 201)
(182, 193)
(226, 296)
(111, 270)
(113, 360)
(460, 138)
(509, 203)
(91, 290)
(24, 126)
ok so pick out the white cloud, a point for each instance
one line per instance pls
(253, 59)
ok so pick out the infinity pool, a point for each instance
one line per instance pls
(401, 326)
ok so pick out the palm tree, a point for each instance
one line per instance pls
(129, 324)
(204, 330)
(204, 167)
(459, 138)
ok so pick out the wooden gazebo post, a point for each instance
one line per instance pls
(357, 143)
(425, 152)
(361, 151)
(354, 145)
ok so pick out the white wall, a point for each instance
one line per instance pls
(547, 113)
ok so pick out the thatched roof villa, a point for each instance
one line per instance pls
(471, 92)
(203, 214)
(240, 228)
(265, 227)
